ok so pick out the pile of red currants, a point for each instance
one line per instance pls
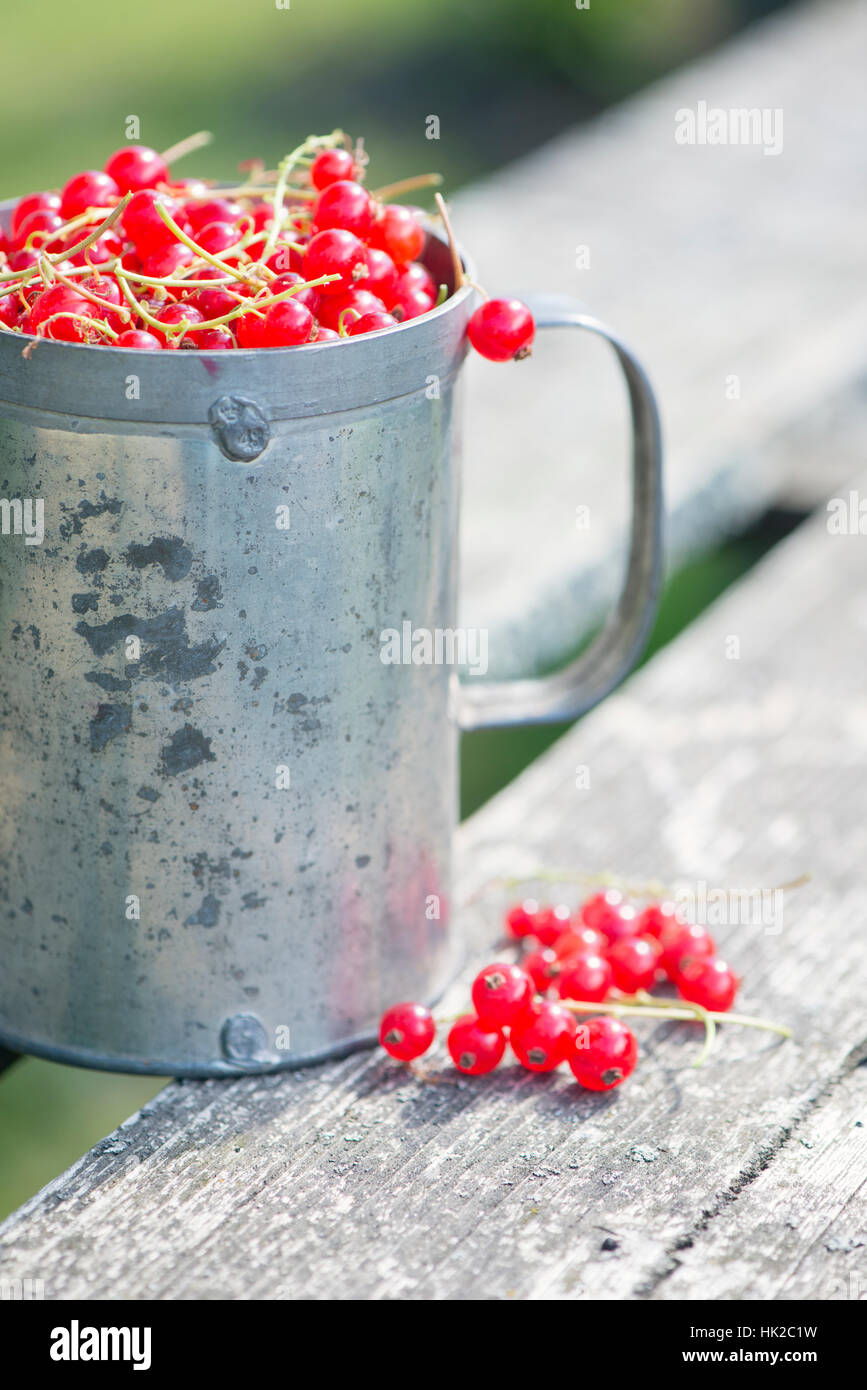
(132, 257)
(601, 960)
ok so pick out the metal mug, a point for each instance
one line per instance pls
(226, 823)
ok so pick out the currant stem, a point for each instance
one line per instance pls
(453, 246)
(313, 142)
(394, 190)
(184, 147)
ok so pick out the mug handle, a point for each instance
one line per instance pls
(590, 677)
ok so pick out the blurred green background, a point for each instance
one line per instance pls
(501, 75)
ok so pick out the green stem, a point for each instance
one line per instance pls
(185, 147)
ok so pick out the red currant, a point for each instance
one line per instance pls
(333, 309)
(176, 313)
(520, 919)
(344, 204)
(142, 223)
(329, 166)
(610, 914)
(656, 916)
(544, 1037)
(474, 1047)
(397, 232)
(167, 260)
(58, 300)
(210, 339)
(501, 995)
(634, 960)
(682, 939)
(406, 1031)
(604, 1054)
(9, 310)
(579, 940)
(137, 338)
(214, 303)
(335, 252)
(371, 323)
(502, 330)
(249, 330)
(551, 923)
(32, 202)
(326, 335)
(381, 278)
(136, 166)
(543, 967)
(90, 189)
(40, 226)
(217, 238)
(585, 977)
(288, 323)
(709, 982)
(201, 215)
(410, 303)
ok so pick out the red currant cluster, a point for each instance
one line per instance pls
(131, 257)
(601, 960)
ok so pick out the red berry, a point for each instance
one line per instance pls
(656, 916)
(329, 166)
(550, 923)
(288, 323)
(309, 297)
(142, 223)
(109, 290)
(610, 914)
(333, 308)
(519, 919)
(501, 995)
(543, 967)
(344, 204)
(543, 1038)
(335, 252)
(214, 210)
(475, 1048)
(326, 335)
(585, 977)
(176, 313)
(411, 303)
(604, 1054)
(381, 278)
(249, 330)
(213, 303)
(417, 277)
(41, 226)
(397, 232)
(32, 202)
(167, 260)
(634, 960)
(502, 330)
(371, 323)
(90, 189)
(136, 166)
(681, 939)
(284, 258)
(57, 300)
(709, 982)
(136, 338)
(210, 339)
(217, 238)
(9, 309)
(406, 1031)
(579, 940)
(105, 248)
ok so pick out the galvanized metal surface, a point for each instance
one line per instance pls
(225, 834)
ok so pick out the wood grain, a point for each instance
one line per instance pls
(716, 263)
(357, 1180)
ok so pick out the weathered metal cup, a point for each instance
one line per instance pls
(226, 823)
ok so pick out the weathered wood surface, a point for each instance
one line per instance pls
(716, 263)
(354, 1179)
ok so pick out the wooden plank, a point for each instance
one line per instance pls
(726, 269)
(356, 1180)
(799, 1229)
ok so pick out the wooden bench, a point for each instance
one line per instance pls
(735, 760)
